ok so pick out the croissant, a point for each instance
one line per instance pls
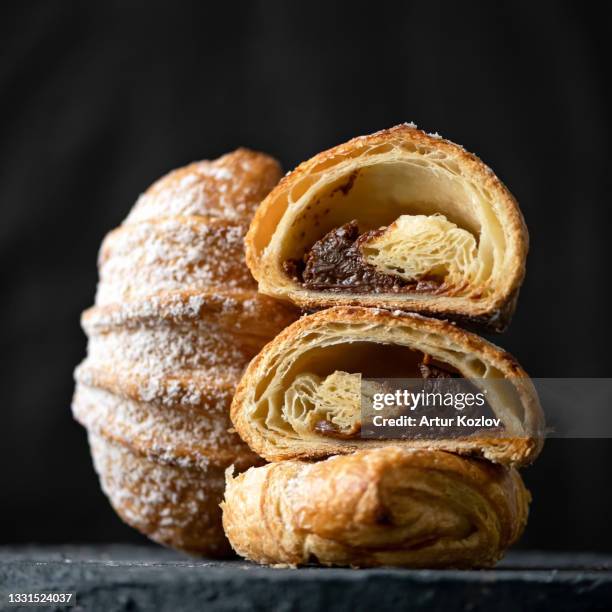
(176, 319)
(388, 506)
(300, 397)
(399, 219)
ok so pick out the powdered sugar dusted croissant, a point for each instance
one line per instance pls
(398, 219)
(300, 397)
(388, 506)
(177, 318)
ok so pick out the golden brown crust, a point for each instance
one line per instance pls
(260, 393)
(391, 506)
(489, 304)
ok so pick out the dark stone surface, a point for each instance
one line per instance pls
(126, 578)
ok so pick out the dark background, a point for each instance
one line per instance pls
(99, 99)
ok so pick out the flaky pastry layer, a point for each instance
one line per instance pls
(391, 506)
(376, 344)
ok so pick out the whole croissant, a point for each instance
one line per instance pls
(388, 506)
(176, 319)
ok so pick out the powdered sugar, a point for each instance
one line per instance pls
(244, 313)
(168, 348)
(177, 318)
(230, 188)
(170, 254)
(190, 436)
(174, 505)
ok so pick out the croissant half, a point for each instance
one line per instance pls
(299, 398)
(398, 219)
(388, 506)
(177, 317)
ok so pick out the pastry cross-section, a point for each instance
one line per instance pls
(301, 397)
(397, 219)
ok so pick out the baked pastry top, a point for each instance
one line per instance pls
(397, 219)
(388, 506)
(300, 397)
(229, 188)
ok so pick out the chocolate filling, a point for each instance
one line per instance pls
(331, 430)
(435, 374)
(429, 370)
(335, 263)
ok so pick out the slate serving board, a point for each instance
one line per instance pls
(129, 578)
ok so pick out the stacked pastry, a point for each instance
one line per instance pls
(370, 233)
(176, 319)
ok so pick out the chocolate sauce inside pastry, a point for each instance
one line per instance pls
(437, 376)
(335, 263)
(294, 268)
(429, 370)
(327, 428)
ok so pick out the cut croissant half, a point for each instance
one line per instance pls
(299, 398)
(387, 506)
(398, 219)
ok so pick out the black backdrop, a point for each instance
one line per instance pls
(99, 99)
